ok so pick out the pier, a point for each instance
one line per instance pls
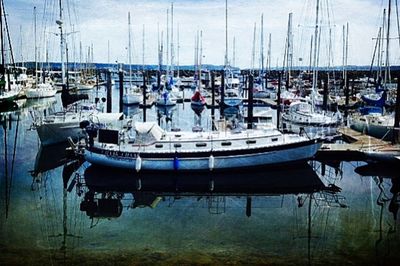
(358, 148)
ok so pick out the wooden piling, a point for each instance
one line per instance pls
(109, 88)
(213, 99)
(250, 103)
(396, 134)
(121, 89)
(222, 96)
(325, 95)
(278, 109)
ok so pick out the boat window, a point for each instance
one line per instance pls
(274, 139)
(159, 145)
(251, 141)
(201, 144)
(177, 145)
(226, 143)
(178, 135)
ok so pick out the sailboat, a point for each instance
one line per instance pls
(133, 94)
(376, 122)
(302, 115)
(9, 87)
(39, 89)
(147, 147)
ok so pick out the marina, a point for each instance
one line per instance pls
(152, 161)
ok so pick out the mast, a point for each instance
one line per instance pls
(62, 41)
(143, 50)
(253, 52)
(172, 39)
(269, 53)
(234, 52)
(2, 68)
(262, 48)
(381, 43)
(21, 46)
(36, 50)
(177, 60)
(167, 48)
(108, 51)
(387, 65)
(289, 54)
(226, 33)
(314, 83)
(129, 50)
(200, 56)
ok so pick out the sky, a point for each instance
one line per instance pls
(103, 25)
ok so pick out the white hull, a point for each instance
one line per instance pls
(156, 150)
(57, 128)
(40, 92)
(273, 157)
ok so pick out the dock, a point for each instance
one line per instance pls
(361, 147)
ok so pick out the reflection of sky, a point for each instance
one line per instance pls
(106, 20)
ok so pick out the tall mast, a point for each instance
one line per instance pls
(253, 52)
(21, 47)
(262, 47)
(269, 53)
(108, 51)
(177, 60)
(234, 52)
(226, 33)
(2, 69)
(143, 49)
(200, 56)
(129, 49)
(167, 48)
(387, 65)
(62, 41)
(35, 37)
(314, 84)
(289, 61)
(172, 39)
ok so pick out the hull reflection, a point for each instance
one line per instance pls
(260, 181)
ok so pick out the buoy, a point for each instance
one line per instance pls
(211, 162)
(138, 165)
(176, 163)
(211, 185)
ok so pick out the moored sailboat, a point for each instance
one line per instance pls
(147, 147)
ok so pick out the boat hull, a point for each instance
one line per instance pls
(50, 134)
(204, 161)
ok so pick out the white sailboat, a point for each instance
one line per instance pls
(147, 147)
(39, 89)
(10, 88)
(302, 115)
(132, 94)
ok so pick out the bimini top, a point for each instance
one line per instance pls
(148, 132)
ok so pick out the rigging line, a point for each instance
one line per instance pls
(398, 23)
(8, 36)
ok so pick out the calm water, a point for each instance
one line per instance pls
(177, 219)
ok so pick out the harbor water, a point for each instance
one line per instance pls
(303, 214)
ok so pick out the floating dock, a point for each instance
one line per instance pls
(360, 148)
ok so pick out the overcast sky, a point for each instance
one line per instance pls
(104, 22)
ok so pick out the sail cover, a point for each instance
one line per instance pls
(147, 132)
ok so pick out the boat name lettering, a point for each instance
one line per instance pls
(120, 154)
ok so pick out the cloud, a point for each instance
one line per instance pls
(103, 21)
